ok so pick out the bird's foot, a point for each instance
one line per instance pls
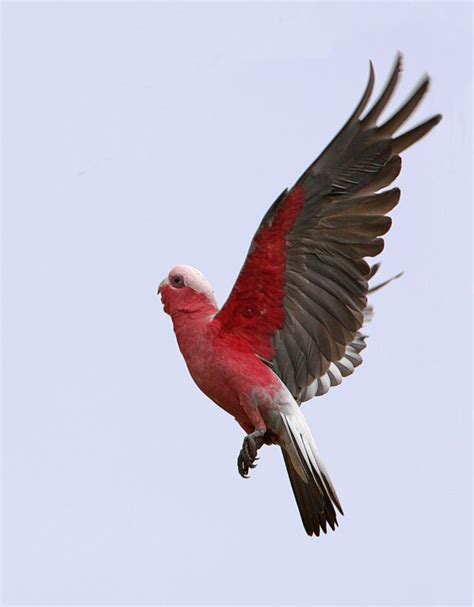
(248, 453)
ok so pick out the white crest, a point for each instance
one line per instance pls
(194, 279)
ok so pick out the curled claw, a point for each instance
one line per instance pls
(242, 467)
(248, 453)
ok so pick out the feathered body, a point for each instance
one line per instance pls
(290, 328)
(231, 374)
(220, 363)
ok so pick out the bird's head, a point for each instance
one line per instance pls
(185, 290)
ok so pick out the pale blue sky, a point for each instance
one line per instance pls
(138, 136)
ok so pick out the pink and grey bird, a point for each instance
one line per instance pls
(291, 326)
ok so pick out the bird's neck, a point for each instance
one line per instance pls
(191, 328)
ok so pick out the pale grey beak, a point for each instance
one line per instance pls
(162, 284)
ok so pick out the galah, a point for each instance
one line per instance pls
(291, 327)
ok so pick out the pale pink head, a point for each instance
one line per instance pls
(185, 290)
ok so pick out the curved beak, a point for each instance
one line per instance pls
(163, 283)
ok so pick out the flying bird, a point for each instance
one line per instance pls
(291, 326)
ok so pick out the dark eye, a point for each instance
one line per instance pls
(177, 281)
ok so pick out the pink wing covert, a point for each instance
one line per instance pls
(255, 307)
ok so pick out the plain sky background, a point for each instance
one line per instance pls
(138, 136)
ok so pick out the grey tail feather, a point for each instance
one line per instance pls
(316, 498)
(308, 499)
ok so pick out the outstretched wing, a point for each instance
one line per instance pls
(300, 297)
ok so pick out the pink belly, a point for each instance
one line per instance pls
(232, 384)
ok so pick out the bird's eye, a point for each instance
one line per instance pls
(177, 281)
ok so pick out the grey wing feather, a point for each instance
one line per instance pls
(352, 358)
(341, 223)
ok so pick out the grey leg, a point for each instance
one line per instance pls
(248, 453)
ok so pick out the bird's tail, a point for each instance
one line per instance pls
(314, 492)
